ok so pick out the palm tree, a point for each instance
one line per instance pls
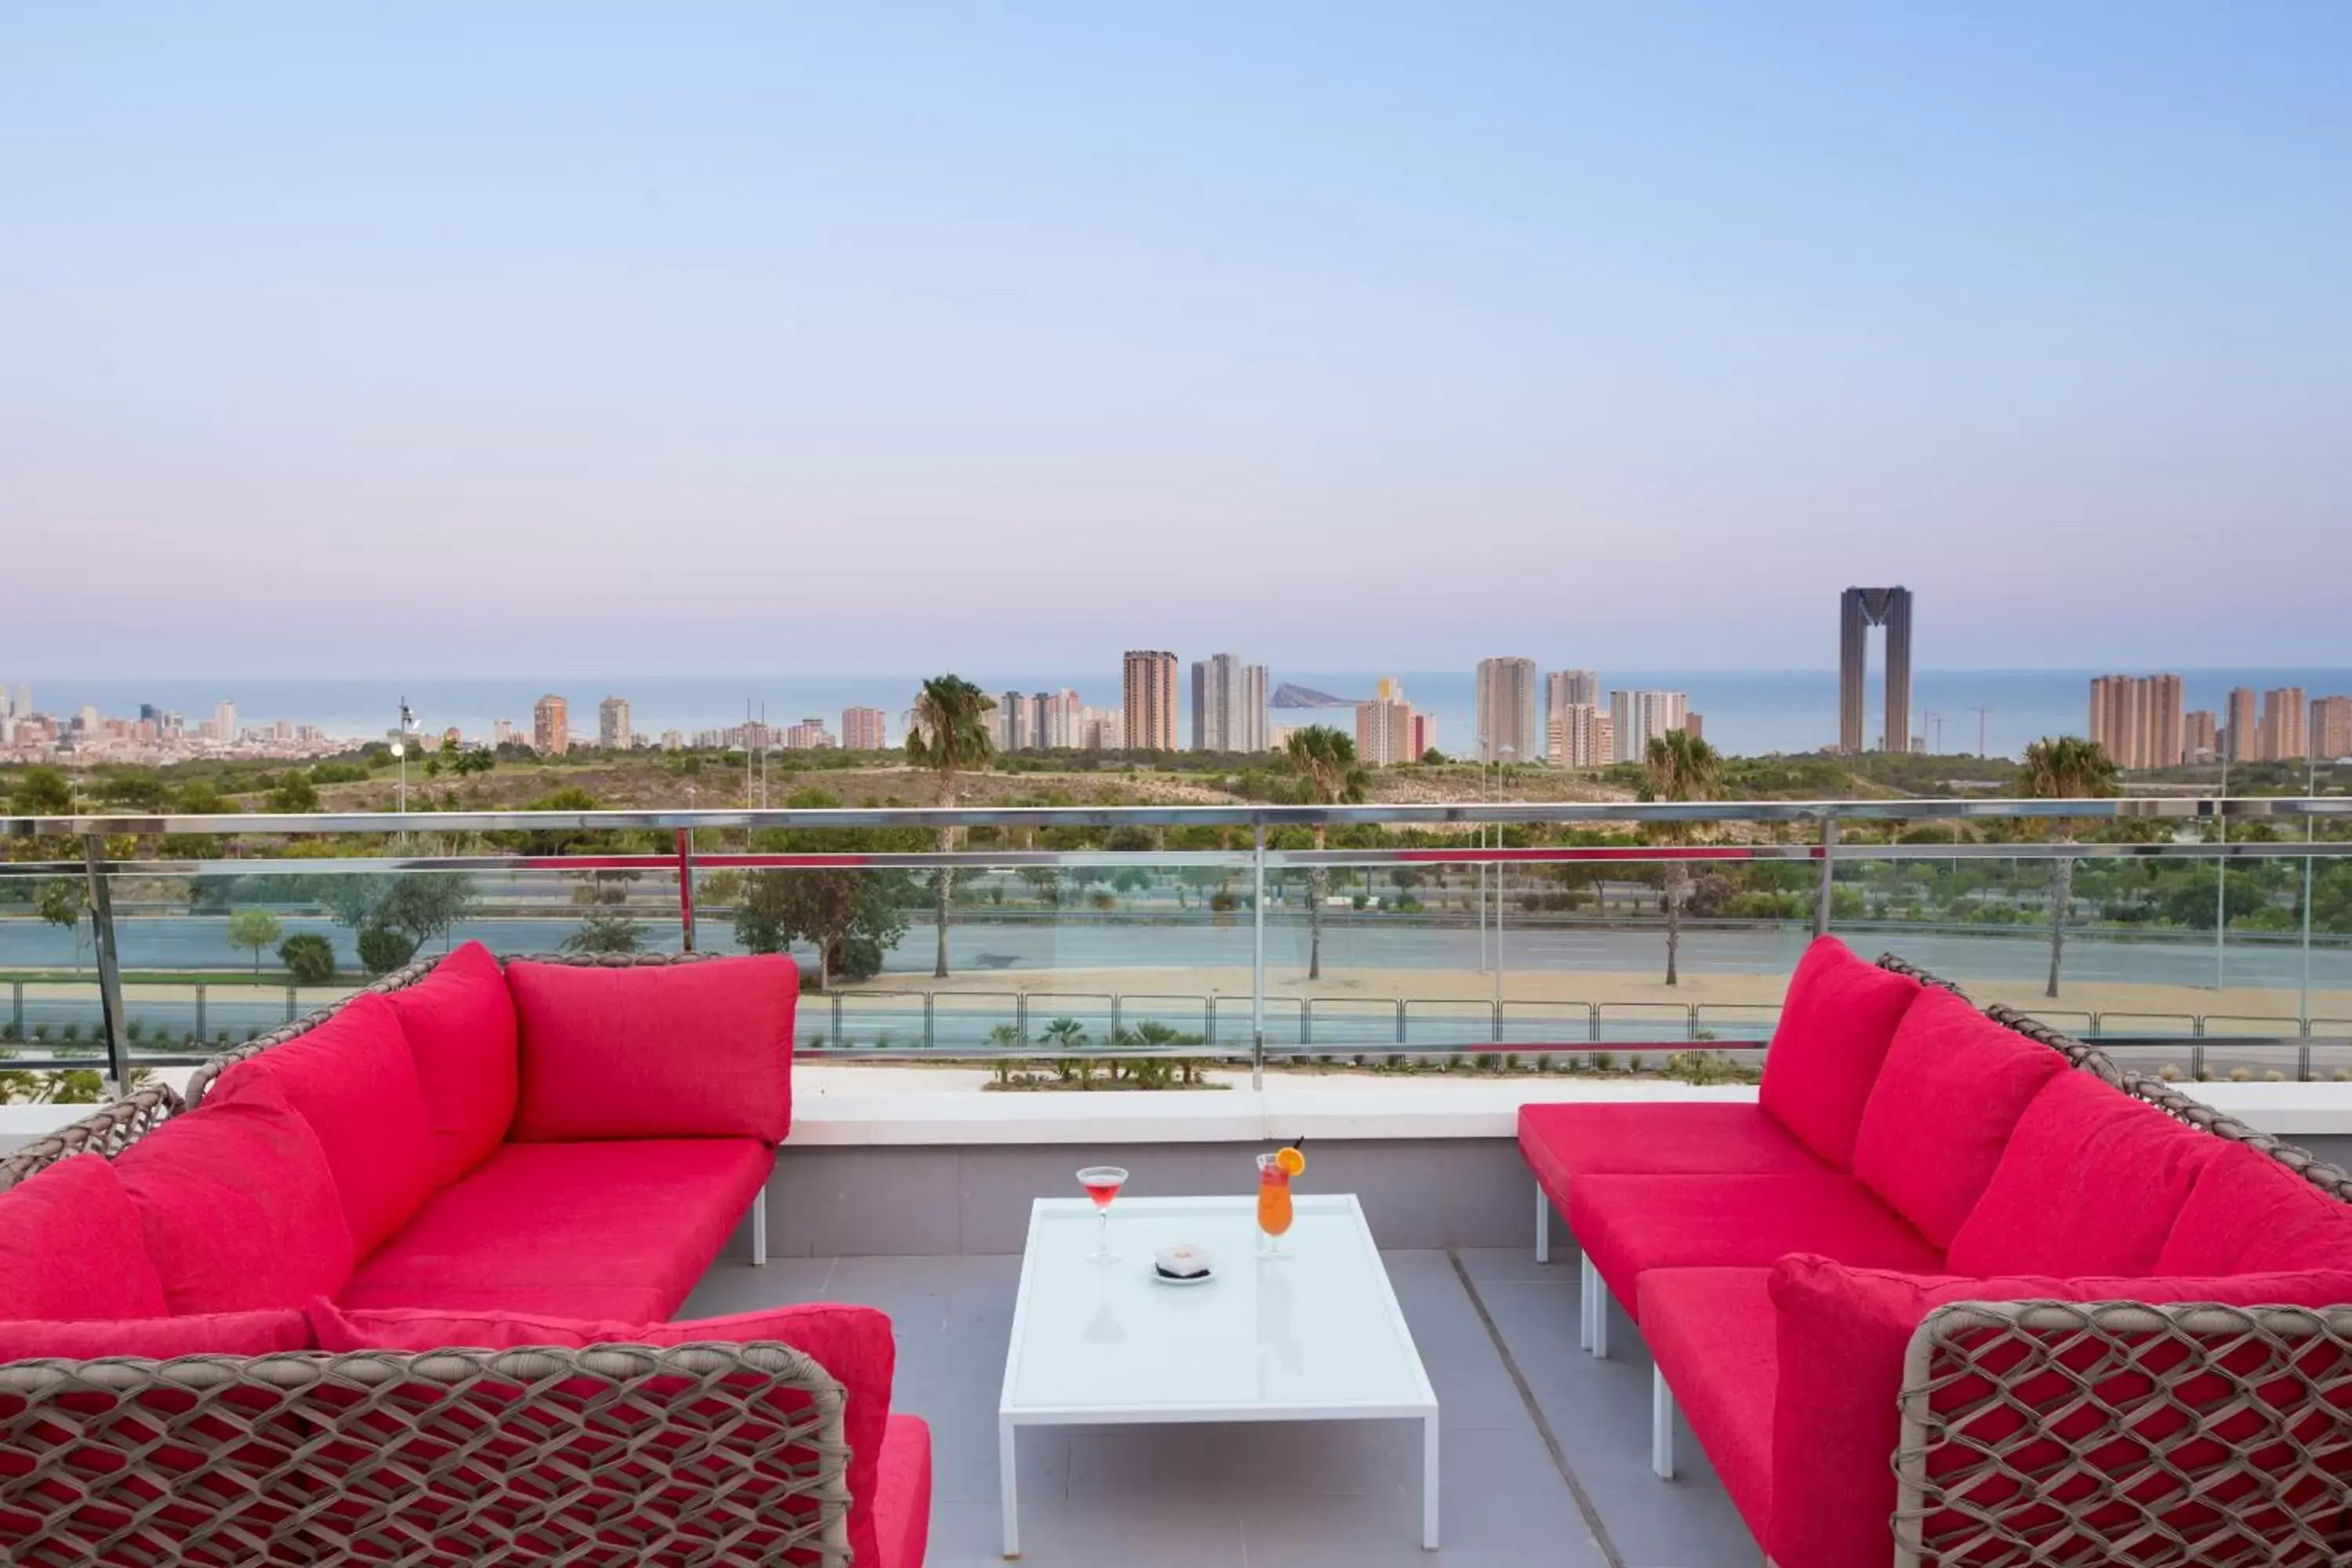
(949, 736)
(1325, 759)
(1678, 767)
(2064, 767)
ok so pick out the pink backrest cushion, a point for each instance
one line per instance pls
(664, 1050)
(353, 1079)
(2091, 1183)
(1835, 1027)
(70, 1246)
(1841, 1337)
(263, 1332)
(460, 1025)
(853, 1343)
(1940, 1118)
(238, 1207)
(2248, 1213)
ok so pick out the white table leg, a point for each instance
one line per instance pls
(1584, 1308)
(1543, 1225)
(1429, 1482)
(1599, 1290)
(1662, 1427)
(760, 1228)
(1005, 1482)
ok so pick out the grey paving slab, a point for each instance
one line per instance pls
(1299, 1495)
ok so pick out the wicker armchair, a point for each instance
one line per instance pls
(610, 1455)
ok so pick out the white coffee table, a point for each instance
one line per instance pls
(1315, 1336)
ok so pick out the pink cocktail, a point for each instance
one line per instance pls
(1102, 1184)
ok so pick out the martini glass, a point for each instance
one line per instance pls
(1102, 1184)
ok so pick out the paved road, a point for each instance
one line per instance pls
(202, 942)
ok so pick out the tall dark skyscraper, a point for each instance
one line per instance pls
(1859, 609)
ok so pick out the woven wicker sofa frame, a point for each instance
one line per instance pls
(612, 1455)
(2244, 1410)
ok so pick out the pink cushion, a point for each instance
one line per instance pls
(627, 1229)
(667, 1050)
(263, 1332)
(1605, 1139)
(2091, 1183)
(1842, 1334)
(70, 1246)
(1710, 1330)
(902, 1501)
(853, 1343)
(2250, 1214)
(460, 1027)
(238, 1207)
(1951, 1092)
(1835, 1027)
(1628, 1225)
(353, 1079)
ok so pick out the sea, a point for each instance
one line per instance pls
(1748, 712)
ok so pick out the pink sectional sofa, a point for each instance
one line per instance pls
(1957, 1292)
(398, 1284)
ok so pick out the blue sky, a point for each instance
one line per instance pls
(1348, 335)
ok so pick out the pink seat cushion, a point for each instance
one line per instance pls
(460, 1027)
(1589, 1139)
(1950, 1094)
(353, 1079)
(1842, 1334)
(71, 1247)
(562, 1227)
(2250, 1214)
(263, 1332)
(1629, 1225)
(666, 1050)
(238, 1207)
(1835, 1027)
(1711, 1331)
(902, 1501)
(855, 1344)
(2091, 1183)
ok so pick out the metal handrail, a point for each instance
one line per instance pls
(2108, 808)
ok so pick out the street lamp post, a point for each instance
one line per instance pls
(1507, 753)
(399, 755)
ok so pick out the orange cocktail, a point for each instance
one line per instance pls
(1274, 1215)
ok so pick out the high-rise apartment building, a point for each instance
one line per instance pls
(2241, 741)
(1563, 689)
(551, 729)
(1506, 711)
(2331, 728)
(1102, 729)
(1859, 609)
(225, 721)
(1384, 733)
(1585, 737)
(613, 724)
(1148, 698)
(2140, 721)
(2200, 737)
(808, 735)
(1694, 726)
(1228, 705)
(502, 732)
(1636, 718)
(2286, 725)
(865, 729)
(1015, 722)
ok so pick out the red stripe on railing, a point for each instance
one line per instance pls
(1591, 852)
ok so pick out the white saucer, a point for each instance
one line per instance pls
(1158, 1278)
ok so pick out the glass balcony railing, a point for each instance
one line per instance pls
(1534, 937)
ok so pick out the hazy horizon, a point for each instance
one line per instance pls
(1344, 337)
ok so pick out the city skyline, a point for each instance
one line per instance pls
(567, 296)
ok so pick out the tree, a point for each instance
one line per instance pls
(422, 905)
(42, 792)
(255, 929)
(1324, 760)
(294, 792)
(852, 918)
(949, 737)
(606, 930)
(1678, 767)
(384, 950)
(2064, 767)
(60, 902)
(309, 958)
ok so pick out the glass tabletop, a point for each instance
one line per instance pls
(1319, 1329)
